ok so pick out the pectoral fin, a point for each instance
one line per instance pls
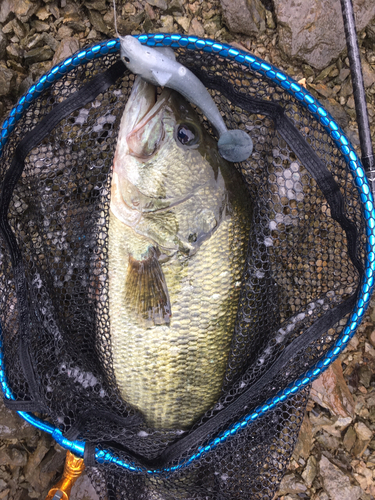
(146, 290)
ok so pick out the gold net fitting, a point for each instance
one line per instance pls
(73, 468)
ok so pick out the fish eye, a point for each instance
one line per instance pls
(127, 59)
(187, 135)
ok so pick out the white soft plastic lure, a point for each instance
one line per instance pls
(159, 67)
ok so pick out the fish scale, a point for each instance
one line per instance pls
(174, 373)
(178, 233)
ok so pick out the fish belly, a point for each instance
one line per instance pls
(174, 373)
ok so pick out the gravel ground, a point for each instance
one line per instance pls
(335, 456)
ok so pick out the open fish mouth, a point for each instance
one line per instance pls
(147, 132)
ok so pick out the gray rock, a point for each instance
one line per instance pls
(161, 4)
(83, 489)
(50, 41)
(96, 5)
(309, 473)
(291, 484)
(39, 54)
(40, 26)
(175, 6)
(24, 9)
(313, 31)
(14, 52)
(369, 80)
(336, 483)
(7, 81)
(244, 16)
(66, 48)
(13, 456)
(371, 31)
(96, 19)
(74, 21)
(3, 44)
(5, 10)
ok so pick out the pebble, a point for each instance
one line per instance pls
(167, 24)
(309, 473)
(39, 54)
(184, 22)
(7, 80)
(349, 438)
(336, 483)
(161, 4)
(5, 10)
(3, 44)
(196, 28)
(291, 484)
(363, 432)
(66, 48)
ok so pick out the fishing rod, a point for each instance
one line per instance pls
(368, 160)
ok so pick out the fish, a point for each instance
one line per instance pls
(179, 222)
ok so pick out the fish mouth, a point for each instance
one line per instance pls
(147, 130)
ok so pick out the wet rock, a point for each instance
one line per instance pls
(83, 489)
(309, 473)
(331, 392)
(7, 81)
(314, 31)
(38, 54)
(336, 483)
(305, 440)
(24, 9)
(66, 48)
(291, 484)
(244, 16)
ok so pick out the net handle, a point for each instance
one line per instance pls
(359, 91)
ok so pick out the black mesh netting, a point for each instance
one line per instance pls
(303, 262)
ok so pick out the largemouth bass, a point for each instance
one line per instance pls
(178, 232)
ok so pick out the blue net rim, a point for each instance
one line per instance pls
(284, 81)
